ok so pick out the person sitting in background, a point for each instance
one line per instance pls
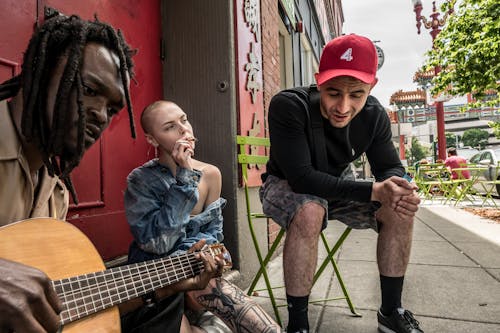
(174, 201)
(454, 162)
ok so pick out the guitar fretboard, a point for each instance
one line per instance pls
(86, 294)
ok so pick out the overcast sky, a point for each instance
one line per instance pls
(393, 23)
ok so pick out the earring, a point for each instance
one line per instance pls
(155, 146)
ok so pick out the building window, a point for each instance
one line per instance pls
(309, 64)
(286, 57)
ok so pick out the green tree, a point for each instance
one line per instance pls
(417, 151)
(468, 52)
(496, 128)
(475, 137)
(451, 139)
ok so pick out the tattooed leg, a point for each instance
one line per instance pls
(237, 310)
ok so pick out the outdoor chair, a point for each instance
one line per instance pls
(462, 188)
(489, 186)
(253, 152)
(431, 180)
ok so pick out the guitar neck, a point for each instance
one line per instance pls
(86, 294)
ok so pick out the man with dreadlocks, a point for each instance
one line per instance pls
(75, 77)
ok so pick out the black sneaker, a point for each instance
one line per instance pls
(400, 321)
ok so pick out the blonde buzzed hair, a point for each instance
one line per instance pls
(145, 124)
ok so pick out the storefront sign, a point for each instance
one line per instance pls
(249, 73)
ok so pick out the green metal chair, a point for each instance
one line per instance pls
(489, 186)
(432, 181)
(462, 188)
(250, 154)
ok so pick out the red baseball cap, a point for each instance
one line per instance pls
(348, 55)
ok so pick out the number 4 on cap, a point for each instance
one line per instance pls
(347, 55)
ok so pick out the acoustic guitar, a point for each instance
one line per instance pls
(88, 291)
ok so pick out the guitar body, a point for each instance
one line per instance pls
(61, 251)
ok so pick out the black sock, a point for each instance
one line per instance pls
(297, 313)
(391, 288)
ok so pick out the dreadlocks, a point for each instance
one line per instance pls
(57, 37)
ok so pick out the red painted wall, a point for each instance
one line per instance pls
(100, 179)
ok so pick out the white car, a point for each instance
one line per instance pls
(491, 159)
(467, 153)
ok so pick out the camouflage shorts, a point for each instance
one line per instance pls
(281, 204)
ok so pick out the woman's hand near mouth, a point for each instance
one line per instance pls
(183, 152)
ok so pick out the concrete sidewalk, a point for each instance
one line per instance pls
(452, 283)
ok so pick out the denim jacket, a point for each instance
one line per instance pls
(158, 207)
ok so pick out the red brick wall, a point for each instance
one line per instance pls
(270, 49)
(270, 68)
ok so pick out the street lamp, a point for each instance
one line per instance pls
(435, 24)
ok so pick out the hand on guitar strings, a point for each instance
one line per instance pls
(213, 267)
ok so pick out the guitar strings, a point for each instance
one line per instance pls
(114, 287)
(150, 270)
(143, 269)
(132, 277)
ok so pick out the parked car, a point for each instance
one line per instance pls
(467, 153)
(491, 159)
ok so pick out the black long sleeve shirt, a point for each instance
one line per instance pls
(290, 154)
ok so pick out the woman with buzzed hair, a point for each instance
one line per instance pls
(172, 203)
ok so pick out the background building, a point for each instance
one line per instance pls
(417, 108)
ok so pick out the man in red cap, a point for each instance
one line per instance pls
(316, 133)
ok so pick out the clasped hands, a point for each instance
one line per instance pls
(398, 194)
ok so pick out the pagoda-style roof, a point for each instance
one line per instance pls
(422, 78)
(408, 97)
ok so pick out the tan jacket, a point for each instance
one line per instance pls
(17, 200)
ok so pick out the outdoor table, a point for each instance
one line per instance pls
(463, 188)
